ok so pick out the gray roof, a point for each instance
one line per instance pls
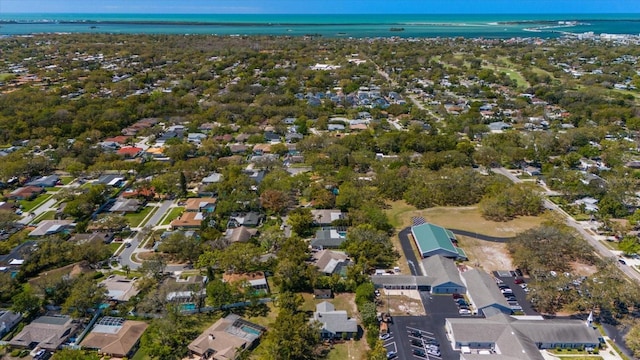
(47, 332)
(126, 205)
(328, 261)
(334, 321)
(442, 269)
(520, 339)
(483, 291)
(328, 238)
(407, 280)
(326, 216)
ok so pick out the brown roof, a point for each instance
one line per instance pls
(115, 340)
(122, 139)
(26, 191)
(188, 219)
(231, 278)
(225, 337)
(47, 332)
(195, 204)
(241, 234)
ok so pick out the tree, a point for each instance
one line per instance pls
(301, 221)
(514, 200)
(220, 293)
(275, 201)
(632, 338)
(85, 296)
(70, 354)
(182, 247)
(292, 336)
(7, 218)
(154, 267)
(167, 338)
(370, 248)
(26, 302)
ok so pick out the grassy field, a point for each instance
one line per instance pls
(28, 205)
(349, 350)
(66, 180)
(135, 219)
(485, 254)
(47, 215)
(344, 301)
(173, 214)
(463, 218)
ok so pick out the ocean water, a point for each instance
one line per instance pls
(358, 26)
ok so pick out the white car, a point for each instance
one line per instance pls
(434, 352)
(464, 312)
(385, 336)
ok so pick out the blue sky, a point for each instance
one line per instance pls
(321, 6)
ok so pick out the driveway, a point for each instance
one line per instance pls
(405, 243)
(520, 295)
(125, 255)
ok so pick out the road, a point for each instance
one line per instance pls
(44, 207)
(405, 243)
(135, 242)
(602, 250)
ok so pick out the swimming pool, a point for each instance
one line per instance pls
(188, 307)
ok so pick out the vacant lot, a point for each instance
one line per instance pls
(486, 254)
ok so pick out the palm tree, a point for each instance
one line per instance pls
(126, 269)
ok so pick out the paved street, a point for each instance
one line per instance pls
(580, 228)
(125, 255)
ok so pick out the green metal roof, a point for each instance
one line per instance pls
(431, 237)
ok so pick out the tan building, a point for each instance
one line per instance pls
(225, 339)
(115, 336)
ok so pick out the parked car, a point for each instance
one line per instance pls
(519, 281)
(457, 296)
(622, 262)
(385, 336)
(415, 333)
(431, 342)
(506, 291)
(391, 355)
(464, 312)
(416, 342)
(434, 352)
(518, 272)
(419, 352)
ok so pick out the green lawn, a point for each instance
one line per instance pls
(114, 246)
(348, 350)
(28, 205)
(173, 214)
(66, 180)
(47, 215)
(135, 219)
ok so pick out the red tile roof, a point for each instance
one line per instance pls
(131, 151)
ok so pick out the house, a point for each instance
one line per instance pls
(226, 338)
(205, 205)
(129, 152)
(111, 180)
(324, 217)
(8, 319)
(532, 171)
(147, 193)
(484, 293)
(445, 274)
(335, 127)
(120, 139)
(196, 138)
(329, 238)
(402, 282)
(188, 220)
(436, 240)
(271, 137)
(105, 237)
(45, 332)
(499, 126)
(255, 174)
(187, 290)
(45, 181)
(50, 227)
(331, 262)
(120, 288)
(240, 234)
(115, 337)
(213, 178)
(126, 206)
(322, 294)
(509, 338)
(589, 203)
(25, 193)
(335, 324)
(249, 219)
(238, 148)
(255, 280)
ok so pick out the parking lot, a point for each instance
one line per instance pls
(517, 289)
(404, 339)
